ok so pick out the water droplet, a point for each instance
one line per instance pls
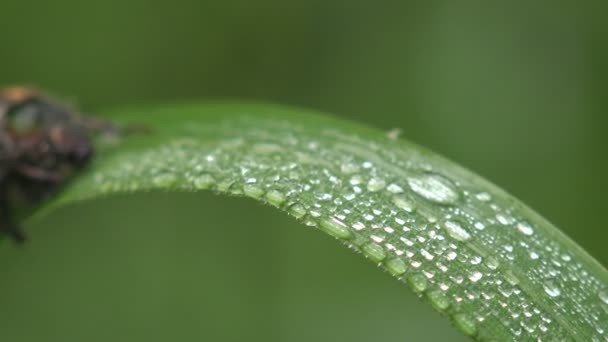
(491, 262)
(376, 184)
(374, 251)
(417, 282)
(603, 295)
(395, 266)
(504, 220)
(533, 255)
(456, 231)
(394, 188)
(403, 203)
(298, 211)
(525, 228)
(438, 300)
(465, 324)
(335, 227)
(203, 182)
(224, 186)
(349, 168)
(275, 198)
(451, 255)
(552, 289)
(475, 276)
(483, 196)
(165, 180)
(253, 191)
(434, 188)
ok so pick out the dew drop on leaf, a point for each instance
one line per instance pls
(374, 251)
(456, 231)
(396, 266)
(603, 295)
(551, 289)
(203, 182)
(434, 188)
(376, 184)
(525, 228)
(275, 198)
(336, 228)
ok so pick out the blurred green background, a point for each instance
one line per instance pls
(517, 91)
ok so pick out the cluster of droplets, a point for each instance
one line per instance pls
(454, 243)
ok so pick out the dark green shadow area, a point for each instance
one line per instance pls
(189, 267)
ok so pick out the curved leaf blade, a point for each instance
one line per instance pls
(479, 256)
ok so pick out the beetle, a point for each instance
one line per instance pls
(43, 142)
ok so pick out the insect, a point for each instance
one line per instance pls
(42, 144)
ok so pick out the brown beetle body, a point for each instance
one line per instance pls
(42, 143)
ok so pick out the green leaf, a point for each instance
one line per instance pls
(498, 270)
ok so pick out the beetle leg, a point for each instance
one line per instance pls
(41, 174)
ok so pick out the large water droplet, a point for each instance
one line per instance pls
(456, 231)
(434, 188)
(552, 289)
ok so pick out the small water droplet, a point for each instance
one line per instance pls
(394, 188)
(298, 211)
(603, 295)
(525, 228)
(456, 231)
(349, 168)
(275, 198)
(434, 188)
(491, 262)
(374, 251)
(438, 300)
(203, 182)
(475, 276)
(224, 186)
(552, 289)
(403, 203)
(395, 266)
(253, 191)
(417, 282)
(376, 184)
(533, 255)
(165, 180)
(483, 196)
(451, 255)
(465, 324)
(335, 227)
